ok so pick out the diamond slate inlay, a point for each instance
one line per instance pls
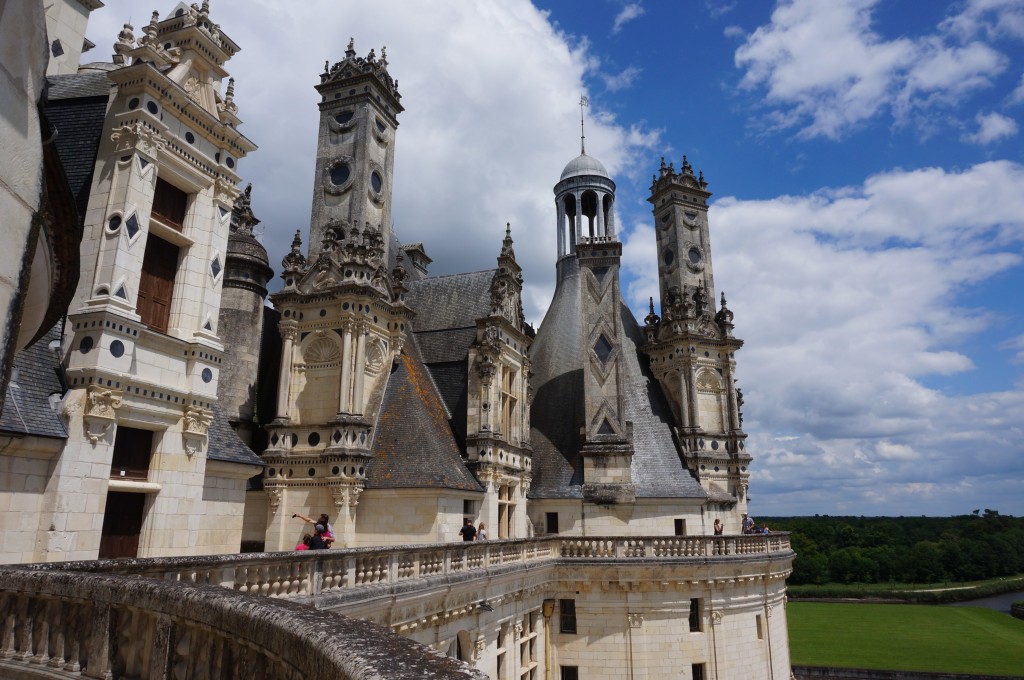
(603, 349)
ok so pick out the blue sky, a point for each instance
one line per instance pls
(867, 218)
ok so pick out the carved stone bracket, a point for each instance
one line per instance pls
(274, 494)
(479, 647)
(345, 496)
(100, 411)
(636, 620)
(197, 426)
(716, 618)
(138, 137)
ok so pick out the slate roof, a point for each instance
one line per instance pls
(557, 412)
(224, 444)
(76, 107)
(450, 302)
(27, 409)
(413, 446)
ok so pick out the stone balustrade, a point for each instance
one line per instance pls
(140, 617)
(303, 575)
(57, 622)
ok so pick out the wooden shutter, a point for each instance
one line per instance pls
(169, 204)
(156, 285)
(122, 524)
(132, 451)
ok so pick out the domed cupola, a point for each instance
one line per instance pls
(246, 261)
(584, 202)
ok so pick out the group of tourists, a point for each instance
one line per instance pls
(471, 533)
(322, 536)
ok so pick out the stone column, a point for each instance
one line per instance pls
(288, 333)
(684, 399)
(691, 383)
(346, 359)
(360, 367)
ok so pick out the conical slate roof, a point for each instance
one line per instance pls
(557, 411)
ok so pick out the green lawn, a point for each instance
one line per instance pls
(906, 637)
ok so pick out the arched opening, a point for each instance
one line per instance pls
(589, 210)
(571, 216)
(609, 228)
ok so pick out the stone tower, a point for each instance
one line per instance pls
(359, 107)
(498, 398)
(585, 199)
(246, 273)
(343, 315)
(691, 346)
(143, 347)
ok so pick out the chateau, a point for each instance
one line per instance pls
(170, 414)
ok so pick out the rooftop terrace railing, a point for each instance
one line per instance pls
(308, 574)
(192, 617)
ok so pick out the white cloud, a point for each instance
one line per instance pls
(1017, 96)
(992, 127)
(622, 80)
(501, 77)
(826, 70)
(990, 18)
(846, 299)
(627, 14)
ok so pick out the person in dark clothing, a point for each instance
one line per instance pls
(316, 541)
(468, 531)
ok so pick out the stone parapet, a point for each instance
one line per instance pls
(314, 574)
(58, 623)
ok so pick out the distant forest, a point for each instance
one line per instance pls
(972, 547)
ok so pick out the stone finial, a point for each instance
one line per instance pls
(506, 244)
(384, 56)
(126, 36)
(351, 50)
(229, 93)
(651, 319)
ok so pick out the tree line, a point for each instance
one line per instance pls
(972, 547)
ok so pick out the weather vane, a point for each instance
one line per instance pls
(584, 101)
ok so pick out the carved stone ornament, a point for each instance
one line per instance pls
(274, 495)
(636, 620)
(197, 425)
(345, 496)
(100, 411)
(479, 647)
(716, 618)
(518, 630)
(138, 137)
(226, 191)
(708, 380)
(192, 86)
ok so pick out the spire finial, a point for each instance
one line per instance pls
(584, 101)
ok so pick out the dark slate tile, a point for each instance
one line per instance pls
(34, 378)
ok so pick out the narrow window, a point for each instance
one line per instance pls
(760, 629)
(567, 616)
(570, 672)
(132, 450)
(680, 527)
(695, 615)
(468, 508)
(156, 283)
(698, 671)
(551, 522)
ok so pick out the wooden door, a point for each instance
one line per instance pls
(156, 284)
(122, 524)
